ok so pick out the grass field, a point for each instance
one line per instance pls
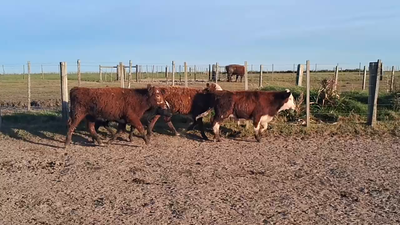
(13, 88)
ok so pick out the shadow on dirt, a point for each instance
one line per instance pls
(48, 125)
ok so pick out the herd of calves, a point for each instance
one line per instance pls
(99, 106)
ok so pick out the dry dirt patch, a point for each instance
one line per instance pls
(283, 180)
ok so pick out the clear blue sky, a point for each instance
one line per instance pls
(200, 32)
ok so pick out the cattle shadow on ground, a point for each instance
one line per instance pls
(43, 125)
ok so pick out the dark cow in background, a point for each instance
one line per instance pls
(235, 69)
(260, 106)
(113, 104)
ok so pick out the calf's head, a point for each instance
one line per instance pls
(288, 101)
(157, 100)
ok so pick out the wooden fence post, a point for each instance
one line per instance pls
(140, 73)
(100, 74)
(308, 113)
(180, 73)
(166, 74)
(294, 69)
(137, 72)
(374, 77)
(300, 75)
(364, 81)
(246, 77)
(29, 85)
(209, 72)
(41, 68)
(260, 80)
(272, 69)
(78, 64)
(194, 73)
(216, 72)
(392, 80)
(190, 72)
(173, 73)
(121, 74)
(336, 76)
(64, 91)
(186, 73)
(130, 74)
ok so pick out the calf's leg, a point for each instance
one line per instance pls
(257, 127)
(135, 123)
(120, 129)
(216, 123)
(73, 123)
(92, 130)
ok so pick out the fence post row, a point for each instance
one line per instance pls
(41, 69)
(64, 91)
(216, 72)
(186, 74)
(209, 72)
(100, 74)
(375, 72)
(392, 80)
(121, 74)
(29, 85)
(336, 76)
(308, 112)
(78, 64)
(246, 80)
(130, 74)
(300, 75)
(173, 73)
(364, 78)
(260, 81)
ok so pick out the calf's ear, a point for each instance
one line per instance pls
(286, 94)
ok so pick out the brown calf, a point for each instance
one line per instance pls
(260, 106)
(235, 69)
(113, 104)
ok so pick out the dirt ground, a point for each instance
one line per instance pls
(176, 180)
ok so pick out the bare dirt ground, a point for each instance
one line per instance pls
(175, 180)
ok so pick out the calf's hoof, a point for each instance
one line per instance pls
(258, 138)
(146, 140)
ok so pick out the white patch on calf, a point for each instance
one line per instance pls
(264, 121)
(203, 114)
(216, 128)
(257, 128)
(167, 104)
(289, 104)
(217, 87)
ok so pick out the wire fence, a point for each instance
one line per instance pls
(44, 91)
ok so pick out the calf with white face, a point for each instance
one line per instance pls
(259, 106)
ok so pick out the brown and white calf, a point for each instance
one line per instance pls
(259, 106)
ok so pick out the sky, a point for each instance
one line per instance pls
(199, 32)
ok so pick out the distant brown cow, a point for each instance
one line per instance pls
(260, 106)
(113, 104)
(180, 100)
(235, 69)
